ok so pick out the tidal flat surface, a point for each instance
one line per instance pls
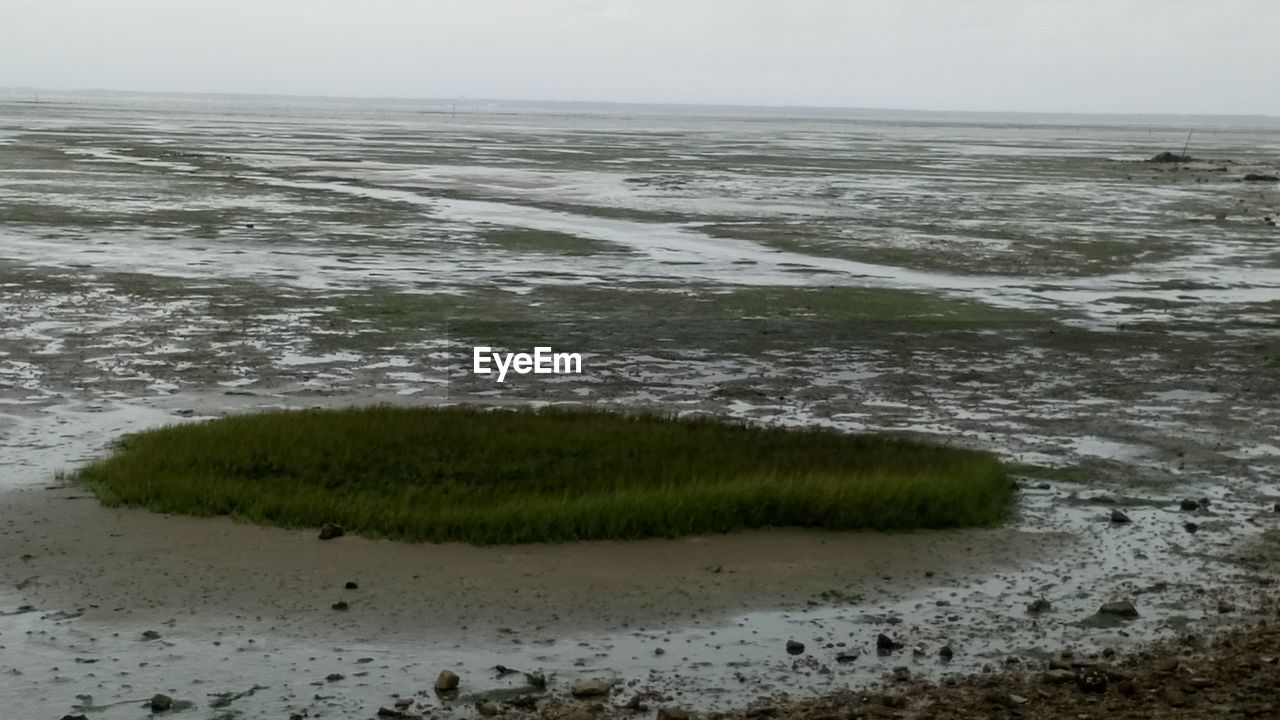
(1026, 285)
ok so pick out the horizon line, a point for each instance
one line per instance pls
(627, 103)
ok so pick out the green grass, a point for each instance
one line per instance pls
(500, 476)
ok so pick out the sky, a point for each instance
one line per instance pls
(1092, 56)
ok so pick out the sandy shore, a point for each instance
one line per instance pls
(129, 565)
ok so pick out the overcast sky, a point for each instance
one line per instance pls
(1168, 56)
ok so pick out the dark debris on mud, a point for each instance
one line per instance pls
(1233, 675)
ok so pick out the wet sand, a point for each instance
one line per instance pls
(135, 567)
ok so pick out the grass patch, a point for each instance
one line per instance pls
(486, 476)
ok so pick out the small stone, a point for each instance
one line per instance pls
(901, 674)
(1119, 517)
(1189, 505)
(673, 713)
(340, 605)
(150, 635)
(1091, 681)
(1191, 527)
(74, 717)
(329, 531)
(886, 644)
(845, 658)
(447, 680)
(1039, 605)
(1059, 677)
(161, 703)
(794, 647)
(591, 687)
(1120, 609)
(947, 652)
(334, 677)
(1225, 607)
(351, 585)
(488, 709)
(1174, 697)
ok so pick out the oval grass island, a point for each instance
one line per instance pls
(489, 476)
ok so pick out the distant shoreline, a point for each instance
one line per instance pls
(518, 106)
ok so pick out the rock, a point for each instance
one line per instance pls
(340, 605)
(1168, 157)
(901, 674)
(1059, 677)
(1091, 681)
(886, 644)
(1120, 609)
(1191, 527)
(335, 677)
(161, 703)
(447, 680)
(1225, 607)
(1119, 517)
(846, 657)
(487, 709)
(591, 687)
(794, 647)
(403, 702)
(1039, 605)
(1174, 697)
(351, 585)
(399, 713)
(150, 635)
(1189, 505)
(1258, 177)
(329, 531)
(673, 713)
(947, 652)
(74, 717)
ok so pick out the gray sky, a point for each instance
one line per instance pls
(1168, 56)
